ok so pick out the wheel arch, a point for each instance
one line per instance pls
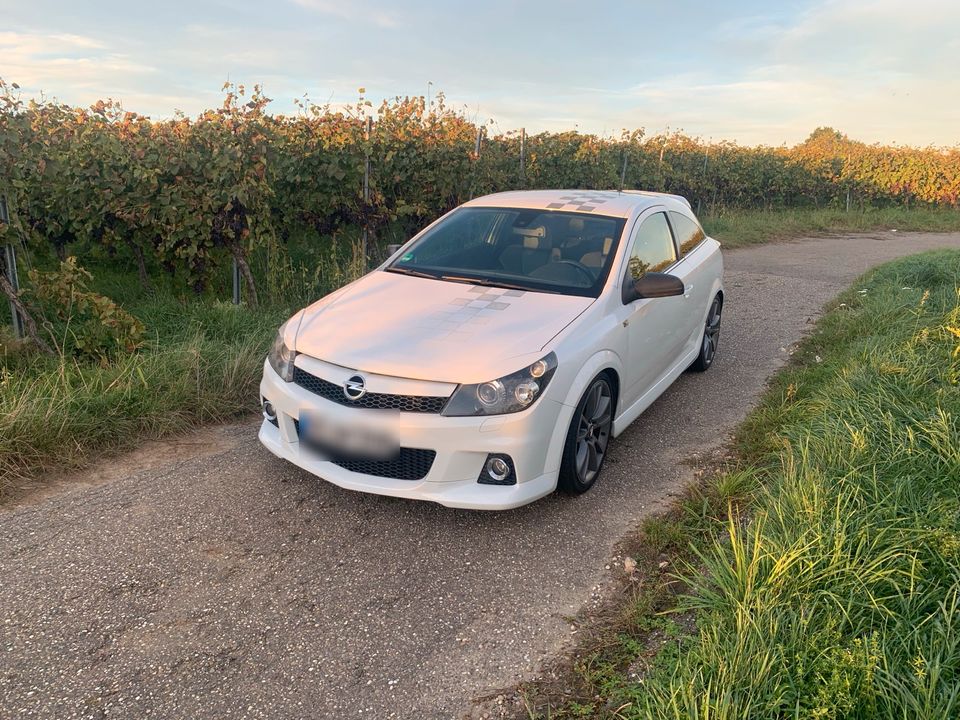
(602, 362)
(614, 378)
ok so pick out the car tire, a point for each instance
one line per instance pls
(585, 448)
(711, 337)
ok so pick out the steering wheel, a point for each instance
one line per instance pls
(579, 266)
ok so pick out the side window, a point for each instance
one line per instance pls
(689, 233)
(652, 249)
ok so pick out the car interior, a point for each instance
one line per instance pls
(563, 249)
(553, 248)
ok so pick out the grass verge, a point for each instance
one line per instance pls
(749, 227)
(819, 576)
(201, 364)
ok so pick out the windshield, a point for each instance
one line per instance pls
(539, 250)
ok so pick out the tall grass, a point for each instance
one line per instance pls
(202, 364)
(838, 598)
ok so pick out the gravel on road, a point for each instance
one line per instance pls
(230, 584)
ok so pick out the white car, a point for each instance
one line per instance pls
(490, 360)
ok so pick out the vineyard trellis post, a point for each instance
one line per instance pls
(10, 261)
(703, 178)
(660, 165)
(523, 157)
(476, 157)
(236, 282)
(365, 234)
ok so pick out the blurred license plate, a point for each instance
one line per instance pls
(342, 440)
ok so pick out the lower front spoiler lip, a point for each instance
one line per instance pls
(466, 494)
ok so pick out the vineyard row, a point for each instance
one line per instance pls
(191, 192)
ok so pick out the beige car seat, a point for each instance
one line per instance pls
(597, 258)
(533, 251)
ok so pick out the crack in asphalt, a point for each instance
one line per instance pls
(234, 585)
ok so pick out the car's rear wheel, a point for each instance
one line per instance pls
(711, 337)
(587, 438)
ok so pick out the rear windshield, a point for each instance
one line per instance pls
(538, 250)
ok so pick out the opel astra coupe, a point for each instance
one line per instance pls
(492, 358)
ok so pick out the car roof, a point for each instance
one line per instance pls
(601, 202)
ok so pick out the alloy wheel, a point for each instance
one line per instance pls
(593, 430)
(711, 332)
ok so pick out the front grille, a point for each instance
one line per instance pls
(410, 464)
(378, 401)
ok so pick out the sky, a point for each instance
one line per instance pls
(756, 72)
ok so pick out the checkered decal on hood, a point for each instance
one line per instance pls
(457, 318)
(578, 202)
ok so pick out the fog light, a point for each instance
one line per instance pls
(269, 412)
(498, 470)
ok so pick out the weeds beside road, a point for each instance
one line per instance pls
(201, 364)
(821, 577)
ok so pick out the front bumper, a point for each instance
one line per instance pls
(533, 439)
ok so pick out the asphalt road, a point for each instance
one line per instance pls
(233, 585)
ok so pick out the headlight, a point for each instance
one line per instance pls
(509, 394)
(281, 358)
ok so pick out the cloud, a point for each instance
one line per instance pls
(352, 11)
(879, 70)
(52, 62)
(77, 41)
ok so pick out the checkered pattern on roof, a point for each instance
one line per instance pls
(578, 202)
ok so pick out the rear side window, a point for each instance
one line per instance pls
(652, 249)
(689, 233)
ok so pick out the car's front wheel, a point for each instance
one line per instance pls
(587, 438)
(711, 337)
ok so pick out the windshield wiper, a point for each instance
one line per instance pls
(486, 282)
(410, 271)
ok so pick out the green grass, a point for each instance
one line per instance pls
(829, 587)
(749, 227)
(201, 364)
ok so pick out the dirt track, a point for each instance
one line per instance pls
(227, 583)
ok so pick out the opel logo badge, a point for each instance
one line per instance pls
(354, 388)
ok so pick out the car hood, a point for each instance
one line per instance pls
(404, 326)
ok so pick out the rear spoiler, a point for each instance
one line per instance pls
(678, 198)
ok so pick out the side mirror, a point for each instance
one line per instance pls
(393, 247)
(652, 285)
